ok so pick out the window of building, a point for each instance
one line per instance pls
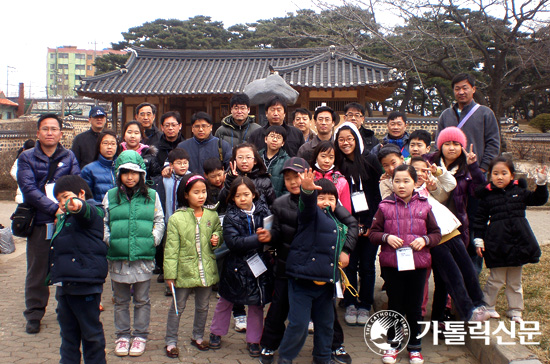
(63, 66)
(80, 56)
(89, 68)
(63, 55)
(52, 55)
(52, 76)
(80, 67)
(90, 57)
(52, 66)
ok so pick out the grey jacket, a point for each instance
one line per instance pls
(481, 129)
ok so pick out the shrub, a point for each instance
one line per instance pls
(541, 122)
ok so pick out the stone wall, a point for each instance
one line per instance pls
(528, 146)
(378, 125)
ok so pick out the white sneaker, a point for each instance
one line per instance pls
(516, 319)
(122, 346)
(138, 346)
(310, 328)
(351, 315)
(493, 314)
(415, 357)
(240, 323)
(390, 356)
(362, 316)
(480, 314)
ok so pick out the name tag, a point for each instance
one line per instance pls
(50, 229)
(49, 192)
(256, 265)
(405, 260)
(359, 201)
(339, 291)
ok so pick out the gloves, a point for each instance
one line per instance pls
(479, 243)
(540, 178)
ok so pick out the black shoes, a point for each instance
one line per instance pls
(215, 342)
(253, 349)
(33, 327)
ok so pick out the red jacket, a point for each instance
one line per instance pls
(341, 185)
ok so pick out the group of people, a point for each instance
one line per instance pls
(278, 215)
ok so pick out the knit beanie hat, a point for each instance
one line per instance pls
(451, 134)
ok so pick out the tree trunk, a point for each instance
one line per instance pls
(408, 95)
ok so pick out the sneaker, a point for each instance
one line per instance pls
(516, 319)
(122, 346)
(310, 328)
(351, 315)
(215, 342)
(415, 357)
(390, 356)
(493, 314)
(253, 349)
(240, 323)
(362, 316)
(480, 314)
(340, 356)
(33, 327)
(138, 346)
(319, 361)
(266, 356)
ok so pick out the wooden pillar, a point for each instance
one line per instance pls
(209, 109)
(114, 111)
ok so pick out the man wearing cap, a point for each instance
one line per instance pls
(325, 119)
(84, 144)
(37, 170)
(285, 226)
(203, 145)
(275, 111)
(145, 114)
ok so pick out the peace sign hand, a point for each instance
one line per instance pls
(471, 157)
(233, 167)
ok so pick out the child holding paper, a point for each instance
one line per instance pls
(405, 227)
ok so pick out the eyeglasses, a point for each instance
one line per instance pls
(349, 140)
(53, 130)
(354, 115)
(181, 164)
(326, 120)
(203, 126)
(275, 137)
(240, 107)
(108, 144)
(241, 158)
(171, 125)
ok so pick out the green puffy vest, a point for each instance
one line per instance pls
(131, 223)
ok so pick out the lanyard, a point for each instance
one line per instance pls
(476, 106)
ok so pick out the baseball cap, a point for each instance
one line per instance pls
(97, 111)
(296, 164)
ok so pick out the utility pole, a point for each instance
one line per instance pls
(8, 79)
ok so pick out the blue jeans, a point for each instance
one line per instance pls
(142, 309)
(362, 260)
(78, 317)
(308, 300)
(452, 263)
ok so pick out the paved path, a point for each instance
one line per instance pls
(19, 347)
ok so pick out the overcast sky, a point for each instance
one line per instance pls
(28, 28)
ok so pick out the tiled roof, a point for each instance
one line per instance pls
(7, 102)
(199, 72)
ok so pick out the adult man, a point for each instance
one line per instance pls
(38, 169)
(301, 119)
(145, 114)
(203, 145)
(170, 124)
(275, 111)
(84, 144)
(397, 134)
(355, 113)
(325, 120)
(239, 125)
(476, 121)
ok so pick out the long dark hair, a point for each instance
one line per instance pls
(257, 158)
(134, 122)
(323, 146)
(460, 162)
(241, 180)
(100, 137)
(350, 168)
(185, 186)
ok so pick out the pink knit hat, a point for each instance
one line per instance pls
(451, 134)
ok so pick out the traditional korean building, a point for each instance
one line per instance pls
(204, 80)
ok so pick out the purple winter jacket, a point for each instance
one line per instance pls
(408, 221)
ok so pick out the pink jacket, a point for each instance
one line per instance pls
(407, 221)
(341, 185)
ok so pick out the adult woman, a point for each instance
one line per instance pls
(100, 174)
(132, 135)
(363, 174)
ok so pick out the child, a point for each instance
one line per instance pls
(134, 225)
(166, 188)
(419, 143)
(100, 174)
(189, 263)
(323, 167)
(245, 237)
(274, 157)
(390, 158)
(503, 235)
(405, 221)
(215, 175)
(246, 161)
(450, 260)
(313, 260)
(78, 267)
(132, 136)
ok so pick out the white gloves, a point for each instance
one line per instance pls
(479, 243)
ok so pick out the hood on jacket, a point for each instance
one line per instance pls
(130, 159)
(354, 130)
